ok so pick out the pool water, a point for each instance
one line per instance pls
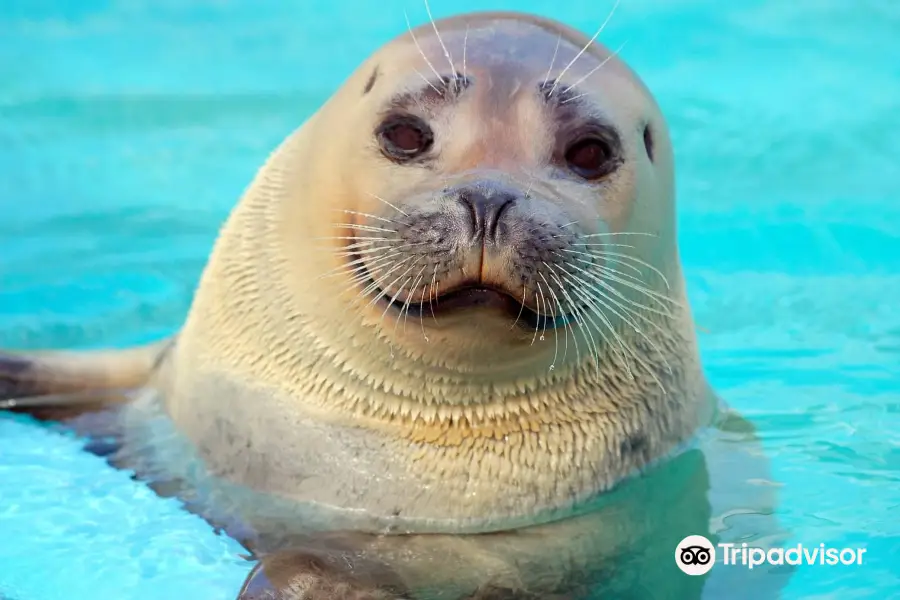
(128, 129)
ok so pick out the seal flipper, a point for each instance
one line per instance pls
(350, 566)
(79, 392)
(59, 386)
(86, 394)
(321, 571)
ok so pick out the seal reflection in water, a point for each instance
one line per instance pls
(436, 340)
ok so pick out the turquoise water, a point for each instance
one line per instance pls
(129, 128)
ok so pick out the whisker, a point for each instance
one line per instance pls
(591, 72)
(422, 313)
(432, 293)
(440, 41)
(586, 46)
(637, 305)
(378, 259)
(604, 254)
(643, 363)
(623, 350)
(521, 306)
(358, 237)
(588, 302)
(365, 245)
(419, 48)
(362, 275)
(605, 268)
(358, 249)
(607, 245)
(594, 348)
(546, 311)
(572, 310)
(367, 228)
(594, 258)
(612, 233)
(363, 251)
(361, 263)
(376, 283)
(379, 262)
(614, 275)
(633, 325)
(355, 265)
(648, 293)
(397, 293)
(537, 321)
(390, 304)
(380, 199)
(431, 85)
(531, 178)
(555, 329)
(371, 216)
(552, 60)
(404, 311)
(465, 46)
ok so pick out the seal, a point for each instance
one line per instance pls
(445, 331)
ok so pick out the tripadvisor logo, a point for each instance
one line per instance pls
(695, 555)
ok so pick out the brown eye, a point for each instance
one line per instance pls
(590, 158)
(404, 137)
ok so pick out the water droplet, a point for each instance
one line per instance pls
(542, 338)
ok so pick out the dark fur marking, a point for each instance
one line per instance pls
(103, 447)
(16, 377)
(371, 82)
(561, 93)
(634, 444)
(435, 94)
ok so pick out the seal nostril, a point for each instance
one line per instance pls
(486, 208)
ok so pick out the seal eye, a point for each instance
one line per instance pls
(590, 158)
(405, 137)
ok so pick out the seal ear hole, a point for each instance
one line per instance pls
(648, 141)
(371, 82)
(404, 137)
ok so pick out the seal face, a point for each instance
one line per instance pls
(451, 300)
(513, 162)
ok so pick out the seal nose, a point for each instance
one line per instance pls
(486, 206)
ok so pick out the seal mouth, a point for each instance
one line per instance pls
(468, 296)
(477, 295)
